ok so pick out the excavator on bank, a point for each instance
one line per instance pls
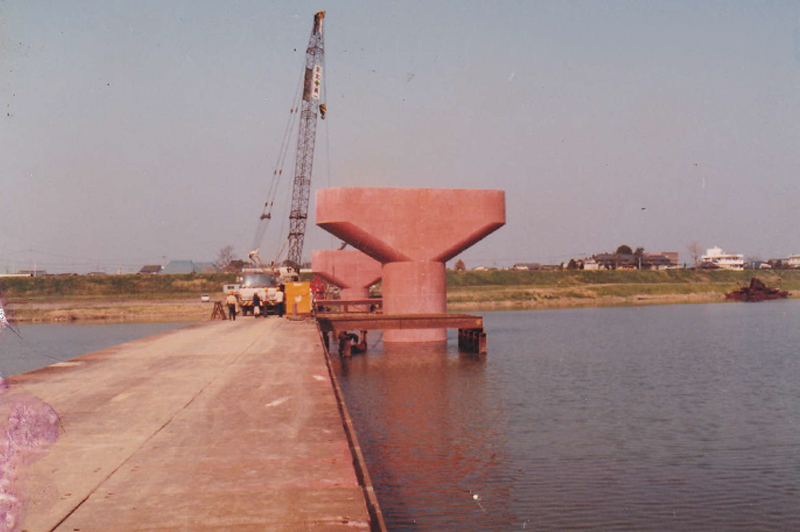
(266, 278)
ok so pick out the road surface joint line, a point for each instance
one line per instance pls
(144, 443)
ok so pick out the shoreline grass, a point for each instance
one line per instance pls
(177, 297)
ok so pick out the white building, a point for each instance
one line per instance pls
(726, 261)
(793, 261)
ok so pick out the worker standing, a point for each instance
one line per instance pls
(279, 302)
(231, 301)
(256, 305)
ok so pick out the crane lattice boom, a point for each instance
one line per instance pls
(306, 138)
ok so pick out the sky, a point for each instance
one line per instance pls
(140, 132)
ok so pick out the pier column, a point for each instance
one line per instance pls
(412, 233)
(415, 288)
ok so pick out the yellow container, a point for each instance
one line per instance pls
(298, 298)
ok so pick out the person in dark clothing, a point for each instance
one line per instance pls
(280, 304)
(256, 305)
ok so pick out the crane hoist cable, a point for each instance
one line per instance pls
(277, 172)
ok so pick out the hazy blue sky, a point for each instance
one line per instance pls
(137, 130)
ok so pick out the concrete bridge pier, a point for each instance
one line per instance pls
(413, 233)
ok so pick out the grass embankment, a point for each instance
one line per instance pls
(141, 286)
(177, 297)
(538, 289)
(112, 297)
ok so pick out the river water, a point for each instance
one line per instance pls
(41, 345)
(681, 417)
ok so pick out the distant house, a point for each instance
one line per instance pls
(188, 266)
(628, 261)
(551, 267)
(590, 264)
(793, 261)
(660, 261)
(206, 267)
(32, 273)
(526, 266)
(612, 261)
(715, 258)
(150, 268)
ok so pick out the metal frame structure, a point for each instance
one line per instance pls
(306, 139)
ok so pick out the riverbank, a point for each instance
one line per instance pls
(506, 290)
(112, 309)
(555, 299)
(112, 298)
(177, 298)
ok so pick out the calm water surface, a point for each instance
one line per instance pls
(45, 344)
(683, 417)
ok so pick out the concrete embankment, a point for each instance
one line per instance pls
(218, 426)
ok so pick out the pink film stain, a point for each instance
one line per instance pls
(28, 427)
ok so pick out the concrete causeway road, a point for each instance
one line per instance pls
(218, 426)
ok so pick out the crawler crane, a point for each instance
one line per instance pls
(309, 108)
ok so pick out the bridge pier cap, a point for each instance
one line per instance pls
(413, 232)
(349, 269)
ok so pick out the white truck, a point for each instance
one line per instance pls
(266, 282)
(254, 281)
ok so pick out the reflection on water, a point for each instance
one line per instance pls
(433, 426)
(656, 418)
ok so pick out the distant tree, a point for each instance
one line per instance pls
(234, 266)
(572, 265)
(224, 257)
(694, 251)
(624, 250)
(460, 266)
(638, 255)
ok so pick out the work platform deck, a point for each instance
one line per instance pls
(471, 336)
(219, 426)
(367, 321)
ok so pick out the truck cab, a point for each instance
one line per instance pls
(255, 281)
